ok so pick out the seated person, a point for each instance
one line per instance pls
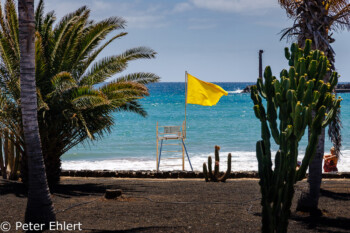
(330, 161)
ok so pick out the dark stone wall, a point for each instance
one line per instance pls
(173, 174)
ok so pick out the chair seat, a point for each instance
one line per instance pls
(168, 137)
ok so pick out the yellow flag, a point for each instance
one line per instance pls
(203, 93)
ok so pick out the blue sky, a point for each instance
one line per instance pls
(214, 40)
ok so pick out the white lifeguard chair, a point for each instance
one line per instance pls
(165, 133)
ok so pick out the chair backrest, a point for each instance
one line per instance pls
(172, 129)
(170, 132)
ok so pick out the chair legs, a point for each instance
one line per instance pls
(188, 157)
(160, 153)
(183, 148)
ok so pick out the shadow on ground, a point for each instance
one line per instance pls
(12, 187)
(65, 190)
(335, 195)
(320, 222)
(88, 189)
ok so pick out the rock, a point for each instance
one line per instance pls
(113, 193)
(341, 88)
(247, 89)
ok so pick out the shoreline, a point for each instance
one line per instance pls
(175, 174)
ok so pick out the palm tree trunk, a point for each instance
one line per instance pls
(53, 168)
(308, 201)
(315, 171)
(2, 165)
(39, 206)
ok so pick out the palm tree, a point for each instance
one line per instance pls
(39, 206)
(316, 20)
(75, 103)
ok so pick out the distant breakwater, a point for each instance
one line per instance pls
(340, 88)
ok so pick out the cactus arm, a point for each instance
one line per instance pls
(205, 172)
(307, 48)
(260, 87)
(302, 67)
(309, 155)
(292, 77)
(227, 174)
(210, 171)
(333, 80)
(217, 162)
(301, 88)
(278, 176)
(267, 220)
(286, 53)
(209, 175)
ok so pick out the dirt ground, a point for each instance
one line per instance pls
(168, 205)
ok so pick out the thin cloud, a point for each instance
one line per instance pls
(201, 24)
(182, 7)
(137, 15)
(145, 21)
(236, 6)
(279, 24)
(100, 5)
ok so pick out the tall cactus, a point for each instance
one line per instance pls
(209, 175)
(297, 100)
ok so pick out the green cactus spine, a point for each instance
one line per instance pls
(299, 99)
(209, 175)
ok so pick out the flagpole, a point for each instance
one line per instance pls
(185, 102)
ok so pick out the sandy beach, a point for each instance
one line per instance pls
(175, 205)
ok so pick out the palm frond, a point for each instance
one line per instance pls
(141, 77)
(107, 67)
(95, 33)
(72, 41)
(39, 15)
(334, 132)
(12, 21)
(341, 18)
(134, 107)
(63, 81)
(63, 29)
(103, 69)
(122, 92)
(87, 62)
(86, 98)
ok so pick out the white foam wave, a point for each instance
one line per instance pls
(238, 91)
(241, 161)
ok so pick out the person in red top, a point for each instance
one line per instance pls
(330, 161)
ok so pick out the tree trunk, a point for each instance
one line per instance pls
(52, 158)
(2, 165)
(53, 169)
(39, 206)
(308, 201)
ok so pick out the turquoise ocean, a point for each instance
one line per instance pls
(231, 124)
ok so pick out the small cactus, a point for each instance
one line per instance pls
(215, 176)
